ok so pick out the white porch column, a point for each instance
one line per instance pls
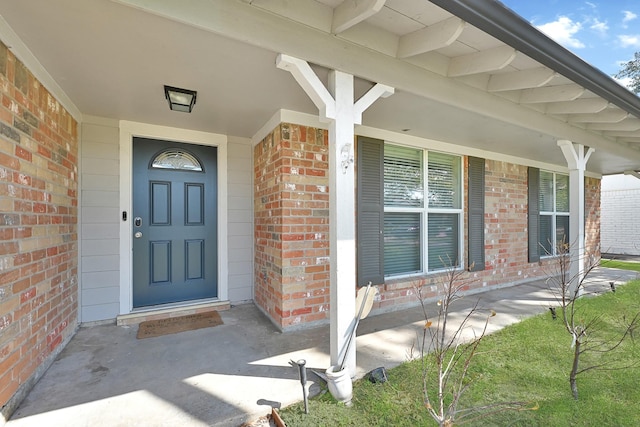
(577, 161)
(337, 107)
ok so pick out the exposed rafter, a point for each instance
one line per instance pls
(525, 79)
(551, 94)
(433, 37)
(578, 106)
(610, 115)
(499, 21)
(625, 135)
(628, 124)
(352, 12)
(481, 62)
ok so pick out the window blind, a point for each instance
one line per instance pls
(403, 181)
(443, 181)
(402, 231)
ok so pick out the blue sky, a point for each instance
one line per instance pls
(604, 33)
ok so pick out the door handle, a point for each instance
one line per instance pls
(138, 235)
(137, 221)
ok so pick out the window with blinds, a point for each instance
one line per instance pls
(554, 212)
(444, 181)
(403, 176)
(421, 236)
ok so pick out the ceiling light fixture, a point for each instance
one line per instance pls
(180, 99)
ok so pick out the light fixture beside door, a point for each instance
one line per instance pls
(180, 99)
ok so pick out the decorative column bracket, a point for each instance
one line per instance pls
(337, 107)
(313, 87)
(577, 162)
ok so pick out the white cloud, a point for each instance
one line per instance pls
(600, 27)
(627, 40)
(628, 16)
(562, 31)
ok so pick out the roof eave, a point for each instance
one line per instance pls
(492, 17)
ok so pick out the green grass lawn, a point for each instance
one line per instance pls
(624, 265)
(528, 361)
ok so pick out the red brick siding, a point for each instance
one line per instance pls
(592, 188)
(506, 252)
(38, 224)
(291, 230)
(291, 225)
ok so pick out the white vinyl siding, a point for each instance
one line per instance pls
(100, 218)
(240, 219)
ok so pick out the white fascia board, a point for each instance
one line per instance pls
(22, 52)
(248, 24)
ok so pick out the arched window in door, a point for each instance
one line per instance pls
(178, 159)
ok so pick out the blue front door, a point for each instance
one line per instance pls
(174, 222)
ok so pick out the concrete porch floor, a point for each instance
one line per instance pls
(235, 372)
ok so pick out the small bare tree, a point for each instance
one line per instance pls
(446, 355)
(568, 288)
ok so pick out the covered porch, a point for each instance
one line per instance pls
(285, 92)
(106, 377)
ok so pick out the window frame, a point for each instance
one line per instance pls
(426, 210)
(553, 214)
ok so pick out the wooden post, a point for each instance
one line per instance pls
(577, 161)
(336, 106)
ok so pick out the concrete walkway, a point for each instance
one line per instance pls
(233, 373)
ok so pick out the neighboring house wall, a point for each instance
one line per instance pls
(291, 231)
(620, 206)
(100, 219)
(38, 230)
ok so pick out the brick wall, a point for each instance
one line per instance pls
(506, 251)
(592, 213)
(291, 225)
(38, 229)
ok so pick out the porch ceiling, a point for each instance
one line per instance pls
(454, 82)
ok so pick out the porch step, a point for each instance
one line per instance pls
(168, 311)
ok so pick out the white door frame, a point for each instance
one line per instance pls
(129, 130)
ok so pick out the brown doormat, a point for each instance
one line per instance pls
(173, 325)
